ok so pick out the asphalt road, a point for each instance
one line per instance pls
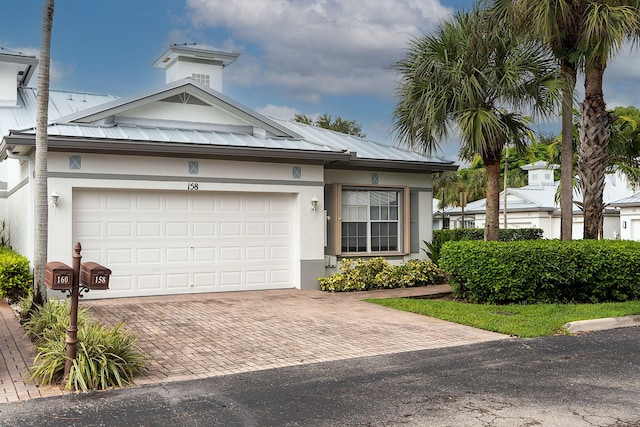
(586, 380)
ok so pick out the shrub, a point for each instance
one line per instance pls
(105, 357)
(51, 319)
(440, 237)
(15, 279)
(505, 235)
(543, 271)
(377, 273)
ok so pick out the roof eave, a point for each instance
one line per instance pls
(394, 165)
(157, 148)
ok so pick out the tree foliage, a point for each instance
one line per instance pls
(325, 121)
(473, 76)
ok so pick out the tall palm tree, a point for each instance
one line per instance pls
(41, 213)
(557, 23)
(607, 25)
(472, 77)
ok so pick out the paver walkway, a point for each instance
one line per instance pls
(205, 335)
(16, 353)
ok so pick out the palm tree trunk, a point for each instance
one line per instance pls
(566, 159)
(595, 123)
(41, 214)
(492, 221)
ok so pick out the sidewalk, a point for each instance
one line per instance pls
(16, 354)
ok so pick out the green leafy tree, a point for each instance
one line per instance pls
(473, 76)
(325, 121)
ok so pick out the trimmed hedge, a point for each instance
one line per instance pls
(505, 235)
(548, 271)
(440, 237)
(377, 273)
(15, 279)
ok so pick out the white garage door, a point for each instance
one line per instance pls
(159, 243)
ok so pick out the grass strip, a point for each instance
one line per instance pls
(524, 321)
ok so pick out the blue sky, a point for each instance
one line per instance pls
(297, 56)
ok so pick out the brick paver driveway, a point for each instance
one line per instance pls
(204, 335)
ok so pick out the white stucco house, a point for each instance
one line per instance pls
(535, 206)
(629, 208)
(182, 189)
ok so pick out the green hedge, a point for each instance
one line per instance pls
(543, 271)
(440, 237)
(505, 235)
(15, 279)
(377, 273)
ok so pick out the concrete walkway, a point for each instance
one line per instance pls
(205, 335)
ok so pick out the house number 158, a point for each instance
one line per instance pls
(192, 186)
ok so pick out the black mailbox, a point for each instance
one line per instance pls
(58, 276)
(94, 275)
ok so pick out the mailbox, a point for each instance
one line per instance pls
(94, 275)
(58, 276)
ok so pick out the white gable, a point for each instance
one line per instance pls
(184, 107)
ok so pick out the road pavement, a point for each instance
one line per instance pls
(592, 379)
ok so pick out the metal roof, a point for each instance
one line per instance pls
(23, 115)
(68, 111)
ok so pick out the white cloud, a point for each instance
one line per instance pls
(315, 47)
(622, 79)
(278, 111)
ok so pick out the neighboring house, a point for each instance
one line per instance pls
(534, 205)
(184, 190)
(629, 216)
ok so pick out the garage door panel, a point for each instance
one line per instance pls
(204, 229)
(231, 254)
(119, 229)
(149, 229)
(119, 256)
(202, 280)
(162, 243)
(230, 278)
(119, 202)
(256, 253)
(204, 254)
(280, 277)
(177, 255)
(149, 282)
(149, 256)
(279, 229)
(91, 229)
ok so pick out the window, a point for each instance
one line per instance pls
(372, 220)
(202, 78)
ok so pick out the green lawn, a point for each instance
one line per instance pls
(525, 321)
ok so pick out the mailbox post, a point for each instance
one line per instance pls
(72, 332)
(82, 277)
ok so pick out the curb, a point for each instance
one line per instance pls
(602, 324)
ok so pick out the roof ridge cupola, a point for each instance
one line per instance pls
(202, 63)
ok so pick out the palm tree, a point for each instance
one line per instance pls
(557, 23)
(41, 214)
(607, 25)
(466, 77)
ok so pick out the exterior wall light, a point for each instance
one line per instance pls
(314, 203)
(54, 198)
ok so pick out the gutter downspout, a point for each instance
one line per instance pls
(30, 215)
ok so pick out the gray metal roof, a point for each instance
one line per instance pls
(77, 119)
(23, 115)
(633, 200)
